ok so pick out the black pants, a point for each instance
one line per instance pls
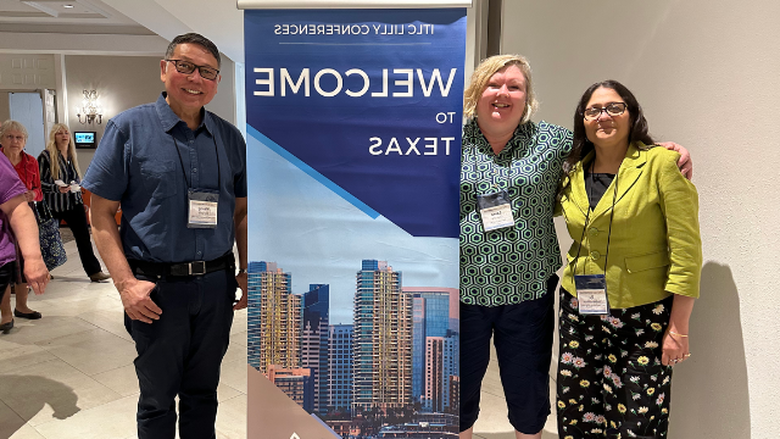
(6, 276)
(181, 354)
(77, 221)
(522, 335)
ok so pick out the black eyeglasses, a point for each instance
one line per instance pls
(187, 67)
(613, 109)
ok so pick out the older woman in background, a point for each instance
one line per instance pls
(633, 273)
(13, 138)
(60, 176)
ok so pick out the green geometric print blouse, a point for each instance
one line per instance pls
(510, 265)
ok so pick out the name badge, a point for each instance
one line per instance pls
(203, 208)
(592, 294)
(495, 210)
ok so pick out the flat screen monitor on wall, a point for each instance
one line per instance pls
(85, 139)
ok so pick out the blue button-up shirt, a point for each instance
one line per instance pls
(136, 163)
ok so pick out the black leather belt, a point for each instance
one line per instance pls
(183, 269)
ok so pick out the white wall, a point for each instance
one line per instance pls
(706, 74)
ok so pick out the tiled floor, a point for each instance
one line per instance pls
(71, 375)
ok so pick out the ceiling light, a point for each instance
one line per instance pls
(68, 6)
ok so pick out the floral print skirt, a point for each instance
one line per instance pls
(611, 383)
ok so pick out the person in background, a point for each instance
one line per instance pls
(16, 217)
(13, 138)
(511, 168)
(60, 179)
(633, 273)
(178, 172)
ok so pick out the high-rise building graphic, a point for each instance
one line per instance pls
(431, 318)
(450, 372)
(382, 339)
(340, 368)
(275, 318)
(314, 343)
(441, 370)
(434, 374)
(254, 299)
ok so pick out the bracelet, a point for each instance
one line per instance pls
(241, 270)
(679, 335)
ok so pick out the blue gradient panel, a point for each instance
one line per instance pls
(370, 101)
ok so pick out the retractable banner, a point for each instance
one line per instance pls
(354, 132)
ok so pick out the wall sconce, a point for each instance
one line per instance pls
(90, 109)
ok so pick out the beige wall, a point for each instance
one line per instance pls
(5, 112)
(26, 71)
(224, 103)
(124, 82)
(706, 74)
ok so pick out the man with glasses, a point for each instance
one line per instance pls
(179, 174)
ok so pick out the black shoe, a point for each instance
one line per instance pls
(6, 327)
(99, 276)
(33, 315)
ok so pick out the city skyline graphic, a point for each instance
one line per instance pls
(390, 372)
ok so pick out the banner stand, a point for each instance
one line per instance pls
(353, 136)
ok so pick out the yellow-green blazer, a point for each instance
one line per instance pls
(655, 247)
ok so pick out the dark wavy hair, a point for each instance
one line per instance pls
(582, 146)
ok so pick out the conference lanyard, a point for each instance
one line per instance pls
(591, 289)
(495, 208)
(202, 203)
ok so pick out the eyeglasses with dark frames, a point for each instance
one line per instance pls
(187, 68)
(613, 109)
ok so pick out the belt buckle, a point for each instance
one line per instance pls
(197, 268)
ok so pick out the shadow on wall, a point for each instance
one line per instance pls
(710, 391)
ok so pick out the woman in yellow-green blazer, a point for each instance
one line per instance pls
(632, 275)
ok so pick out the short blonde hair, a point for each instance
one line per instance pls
(482, 74)
(15, 126)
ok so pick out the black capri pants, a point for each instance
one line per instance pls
(523, 336)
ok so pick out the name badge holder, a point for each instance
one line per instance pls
(592, 294)
(202, 204)
(203, 207)
(495, 210)
(592, 297)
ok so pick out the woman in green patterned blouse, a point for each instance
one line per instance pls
(509, 252)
